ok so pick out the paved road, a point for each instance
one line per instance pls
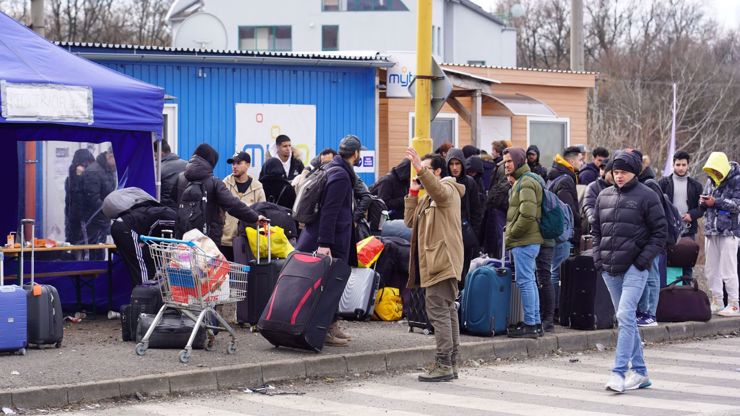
(692, 378)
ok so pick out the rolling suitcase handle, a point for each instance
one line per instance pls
(502, 260)
(33, 249)
(269, 243)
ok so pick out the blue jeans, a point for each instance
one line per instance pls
(524, 264)
(560, 252)
(625, 291)
(649, 300)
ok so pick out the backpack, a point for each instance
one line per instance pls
(191, 212)
(568, 220)
(279, 216)
(308, 201)
(553, 220)
(377, 213)
(674, 224)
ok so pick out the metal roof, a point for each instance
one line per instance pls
(559, 71)
(103, 50)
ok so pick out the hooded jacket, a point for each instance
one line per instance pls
(220, 198)
(393, 187)
(525, 211)
(172, 167)
(565, 189)
(498, 193)
(471, 209)
(98, 181)
(535, 166)
(629, 226)
(277, 187)
(254, 194)
(436, 236)
(475, 164)
(722, 218)
(588, 174)
(334, 229)
(296, 166)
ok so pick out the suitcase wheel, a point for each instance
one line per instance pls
(58, 344)
(141, 349)
(231, 349)
(184, 356)
(411, 329)
(22, 351)
(426, 331)
(253, 329)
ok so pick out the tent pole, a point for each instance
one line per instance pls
(159, 166)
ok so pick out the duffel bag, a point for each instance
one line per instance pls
(683, 303)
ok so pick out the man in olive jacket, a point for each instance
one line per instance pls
(524, 239)
(436, 255)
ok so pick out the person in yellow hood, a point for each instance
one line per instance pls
(720, 203)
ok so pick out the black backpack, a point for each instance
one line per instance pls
(308, 201)
(377, 213)
(279, 216)
(191, 212)
(674, 224)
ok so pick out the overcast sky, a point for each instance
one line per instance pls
(727, 12)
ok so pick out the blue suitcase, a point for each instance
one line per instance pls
(486, 301)
(13, 319)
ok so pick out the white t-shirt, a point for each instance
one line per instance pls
(286, 165)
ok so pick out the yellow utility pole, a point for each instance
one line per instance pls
(422, 141)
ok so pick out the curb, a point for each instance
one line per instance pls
(223, 378)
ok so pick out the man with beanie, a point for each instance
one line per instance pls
(471, 212)
(332, 234)
(720, 203)
(533, 160)
(290, 164)
(524, 238)
(198, 178)
(436, 256)
(248, 189)
(629, 231)
(684, 191)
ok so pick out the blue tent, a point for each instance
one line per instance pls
(122, 110)
(47, 93)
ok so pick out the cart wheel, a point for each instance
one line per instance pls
(231, 349)
(58, 344)
(22, 351)
(426, 332)
(140, 349)
(184, 356)
(210, 343)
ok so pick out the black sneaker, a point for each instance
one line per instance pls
(540, 331)
(523, 331)
(548, 326)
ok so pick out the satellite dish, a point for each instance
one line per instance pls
(201, 31)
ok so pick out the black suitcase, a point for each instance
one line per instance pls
(415, 310)
(45, 319)
(261, 281)
(146, 298)
(126, 334)
(172, 332)
(584, 298)
(304, 302)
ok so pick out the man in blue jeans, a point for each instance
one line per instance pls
(524, 238)
(629, 231)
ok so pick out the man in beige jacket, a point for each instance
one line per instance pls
(436, 255)
(247, 189)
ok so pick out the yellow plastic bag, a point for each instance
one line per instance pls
(388, 304)
(279, 243)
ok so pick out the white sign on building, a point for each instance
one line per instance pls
(258, 125)
(401, 74)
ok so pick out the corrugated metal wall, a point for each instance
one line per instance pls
(344, 98)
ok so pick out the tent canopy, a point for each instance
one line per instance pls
(47, 93)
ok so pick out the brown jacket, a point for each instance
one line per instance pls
(254, 194)
(436, 238)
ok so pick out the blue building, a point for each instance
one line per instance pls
(241, 100)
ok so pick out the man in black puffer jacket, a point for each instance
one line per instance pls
(471, 209)
(220, 199)
(629, 231)
(393, 187)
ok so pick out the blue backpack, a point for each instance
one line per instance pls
(556, 222)
(568, 221)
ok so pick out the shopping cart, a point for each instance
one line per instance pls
(194, 283)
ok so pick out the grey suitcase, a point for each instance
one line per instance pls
(45, 319)
(516, 311)
(358, 298)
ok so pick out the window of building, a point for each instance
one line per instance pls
(330, 38)
(363, 5)
(443, 128)
(479, 63)
(551, 135)
(266, 38)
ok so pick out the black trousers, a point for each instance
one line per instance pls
(133, 252)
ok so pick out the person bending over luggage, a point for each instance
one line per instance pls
(524, 238)
(436, 255)
(199, 171)
(471, 209)
(332, 234)
(629, 231)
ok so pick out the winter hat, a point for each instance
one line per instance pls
(470, 150)
(628, 161)
(518, 155)
(207, 152)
